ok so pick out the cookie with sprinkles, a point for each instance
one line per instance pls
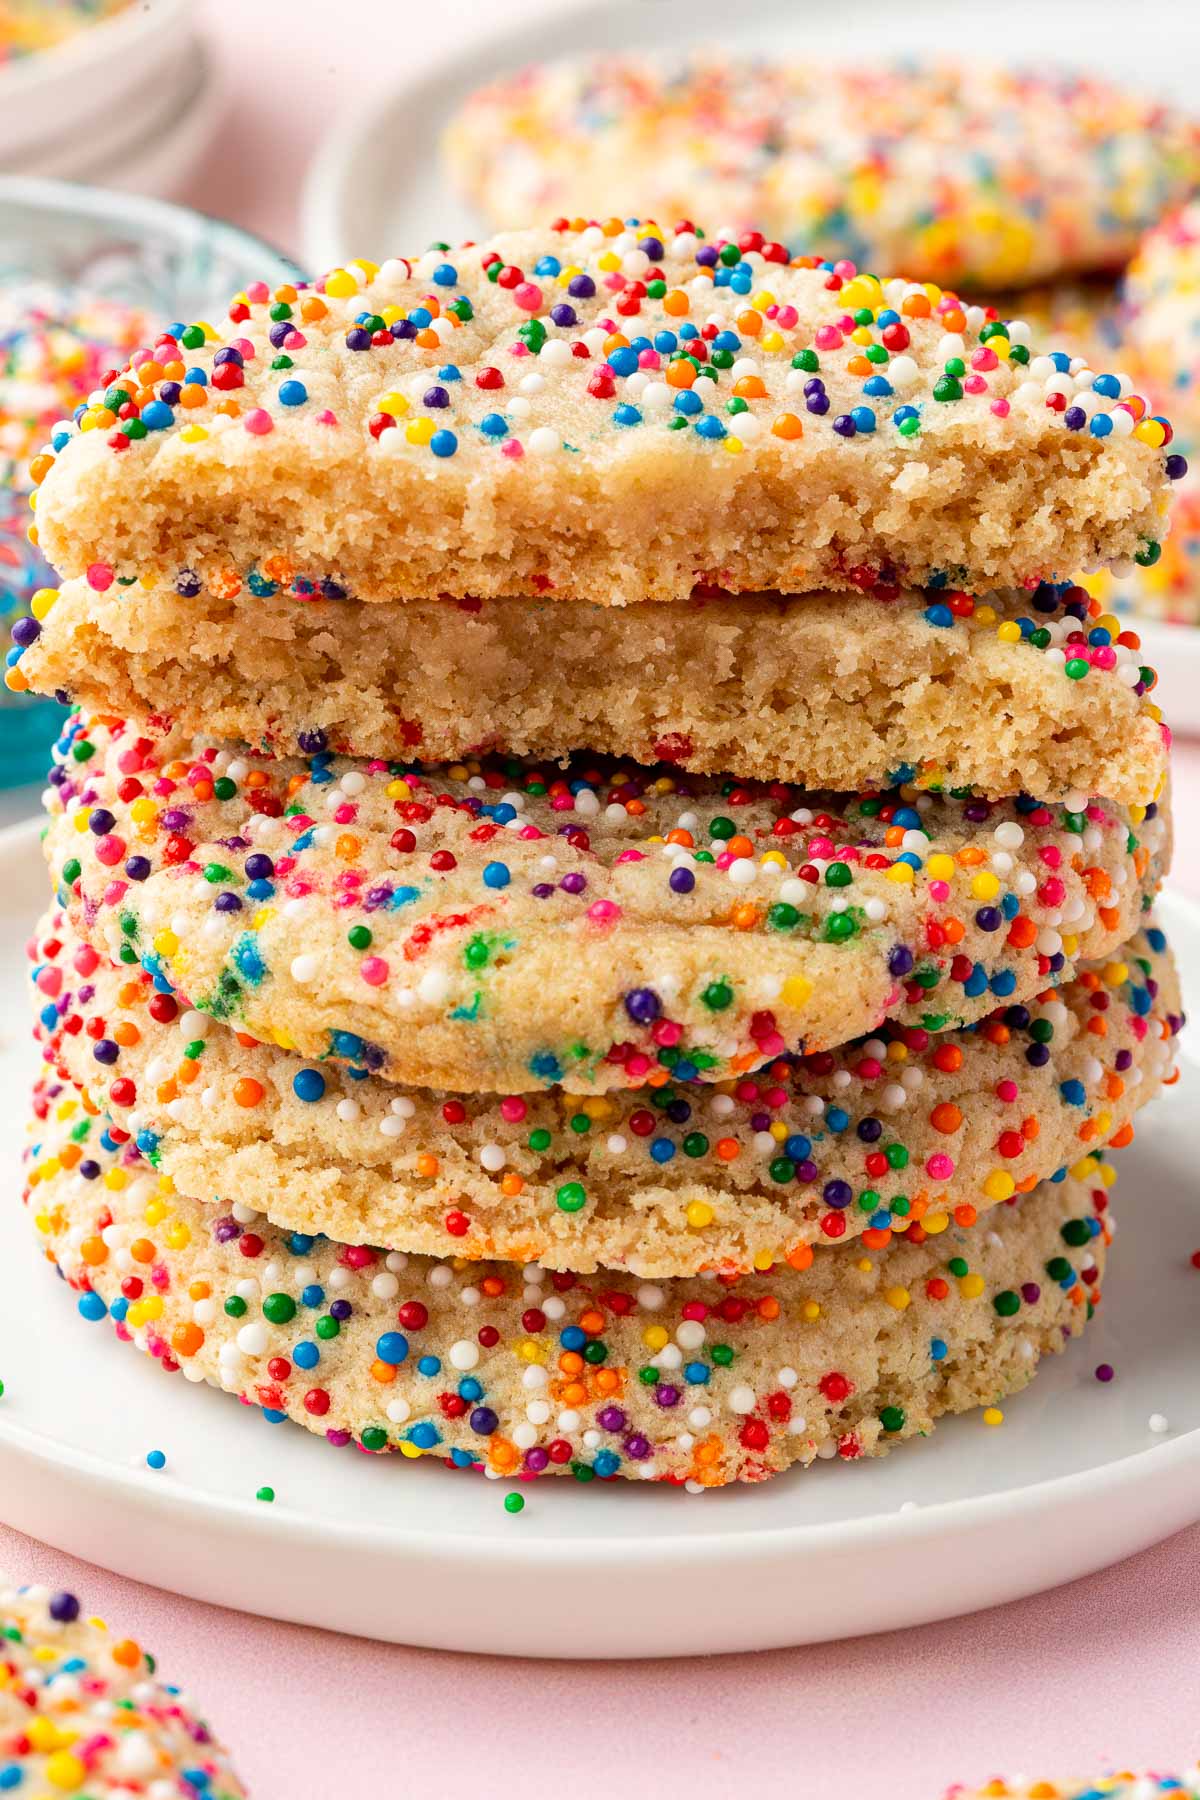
(900, 1135)
(1160, 320)
(1122, 1785)
(84, 1712)
(507, 928)
(963, 171)
(1040, 693)
(608, 412)
(522, 1373)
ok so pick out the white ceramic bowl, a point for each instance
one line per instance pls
(94, 77)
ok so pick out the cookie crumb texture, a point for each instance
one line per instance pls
(1036, 693)
(504, 928)
(609, 414)
(83, 1712)
(891, 1137)
(964, 171)
(523, 1373)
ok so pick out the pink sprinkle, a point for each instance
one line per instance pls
(631, 856)
(649, 359)
(604, 912)
(528, 296)
(49, 981)
(984, 358)
(1051, 855)
(939, 891)
(344, 815)
(666, 1033)
(258, 422)
(326, 418)
(939, 1166)
(828, 337)
(114, 893)
(513, 448)
(974, 384)
(513, 1108)
(771, 1045)
(787, 317)
(295, 340)
(638, 1065)
(374, 970)
(85, 960)
(257, 292)
(100, 576)
(245, 347)
(846, 269)
(1001, 408)
(869, 1069)
(1007, 1091)
(518, 350)
(109, 850)
(614, 282)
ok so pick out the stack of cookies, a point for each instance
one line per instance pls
(601, 876)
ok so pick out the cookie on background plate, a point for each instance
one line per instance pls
(84, 1712)
(903, 1134)
(609, 414)
(958, 171)
(1118, 1786)
(520, 1372)
(1035, 693)
(506, 928)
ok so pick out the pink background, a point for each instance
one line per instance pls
(1103, 1672)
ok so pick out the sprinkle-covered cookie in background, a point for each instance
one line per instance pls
(1160, 321)
(509, 927)
(960, 171)
(1124, 1785)
(608, 412)
(84, 1713)
(901, 1135)
(843, 690)
(29, 26)
(524, 1373)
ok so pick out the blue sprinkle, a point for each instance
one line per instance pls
(293, 393)
(155, 1459)
(496, 875)
(308, 1084)
(92, 1307)
(392, 1348)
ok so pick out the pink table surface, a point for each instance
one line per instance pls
(1100, 1673)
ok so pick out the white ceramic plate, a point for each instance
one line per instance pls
(1073, 1480)
(377, 188)
(95, 75)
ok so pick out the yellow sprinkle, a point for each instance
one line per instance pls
(796, 990)
(901, 873)
(1116, 973)
(409, 1449)
(116, 1179)
(778, 1130)
(971, 1286)
(940, 867)
(999, 1185)
(193, 434)
(992, 1415)
(986, 615)
(65, 1770)
(419, 431)
(530, 1352)
(395, 406)
(42, 601)
(655, 1337)
(165, 943)
(810, 1312)
(1009, 632)
(899, 1297)
(733, 446)
(369, 269)
(935, 1222)
(699, 1214)
(985, 885)
(341, 284)
(400, 790)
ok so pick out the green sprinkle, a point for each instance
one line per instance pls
(571, 1197)
(280, 1309)
(717, 996)
(360, 937)
(892, 1418)
(539, 1140)
(265, 1493)
(514, 1503)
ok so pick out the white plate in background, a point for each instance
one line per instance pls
(414, 1553)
